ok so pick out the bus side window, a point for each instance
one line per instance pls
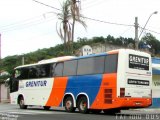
(21, 73)
(44, 70)
(58, 69)
(33, 72)
(70, 68)
(111, 63)
(93, 65)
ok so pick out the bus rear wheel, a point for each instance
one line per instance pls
(83, 105)
(21, 103)
(69, 105)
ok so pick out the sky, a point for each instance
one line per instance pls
(26, 26)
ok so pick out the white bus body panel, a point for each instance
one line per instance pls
(125, 73)
(34, 95)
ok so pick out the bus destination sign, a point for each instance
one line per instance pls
(138, 62)
(138, 82)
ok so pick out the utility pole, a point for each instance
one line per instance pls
(0, 47)
(22, 60)
(0, 71)
(0, 92)
(136, 33)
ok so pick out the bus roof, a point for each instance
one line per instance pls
(52, 60)
(57, 59)
(64, 58)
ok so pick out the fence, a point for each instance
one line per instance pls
(4, 93)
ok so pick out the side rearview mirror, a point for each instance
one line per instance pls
(7, 82)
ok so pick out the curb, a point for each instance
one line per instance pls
(147, 111)
(5, 102)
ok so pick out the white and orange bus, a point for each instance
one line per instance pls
(111, 81)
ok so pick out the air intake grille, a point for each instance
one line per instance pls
(108, 96)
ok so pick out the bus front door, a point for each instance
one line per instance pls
(13, 85)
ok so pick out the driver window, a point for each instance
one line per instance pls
(17, 73)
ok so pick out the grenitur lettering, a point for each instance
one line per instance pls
(36, 83)
(138, 62)
(139, 59)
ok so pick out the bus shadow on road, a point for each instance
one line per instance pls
(60, 110)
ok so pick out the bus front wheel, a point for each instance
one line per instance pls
(21, 103)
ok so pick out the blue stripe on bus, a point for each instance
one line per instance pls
(155, 71)
(156, 60)
(88, 56)
(88, 84)
(155, 103)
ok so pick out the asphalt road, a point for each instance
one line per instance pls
(12, 112)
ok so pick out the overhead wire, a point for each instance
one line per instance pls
(88, 3)
(126, 30)
(93, 3)
(89, 18)
(149, 30)
(102, 21)
(24, 24)
(46, 5)
(27, 22)
(84, 16)
(12, 24)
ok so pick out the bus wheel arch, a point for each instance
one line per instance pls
(83, 103)
(20, 101)
(69, 103)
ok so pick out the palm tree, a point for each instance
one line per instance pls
(70, 11)
(64, 30)
(76, 15)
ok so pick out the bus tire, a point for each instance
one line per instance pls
(69, 105)
(21, 103)
(46, 107)
(83, 105)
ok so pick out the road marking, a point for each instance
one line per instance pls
(32, 112)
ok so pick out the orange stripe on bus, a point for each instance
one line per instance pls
(58, 90)
(108, 82)
(63, 59)
(113, 52)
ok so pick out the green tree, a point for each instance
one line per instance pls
(98, 39)
(9, 63)
(150, 40)
(110, 39)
